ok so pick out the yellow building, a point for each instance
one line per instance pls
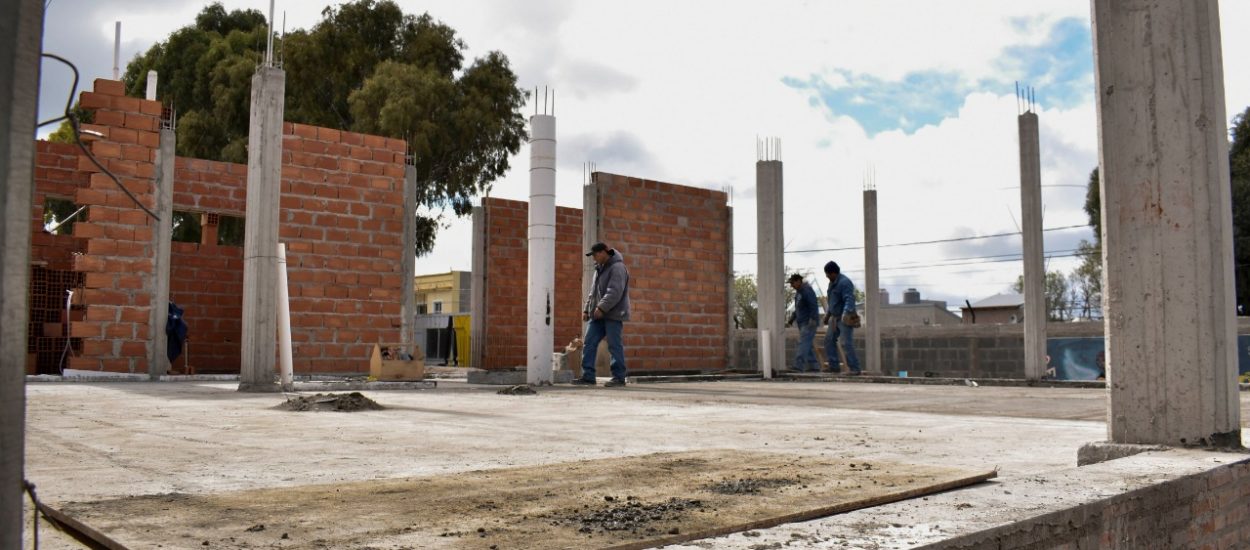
(443, 293)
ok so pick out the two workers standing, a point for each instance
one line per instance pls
(840, 317)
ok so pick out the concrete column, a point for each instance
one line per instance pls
(1031, 226)
(590, 233)
(477, 311)
(21, 32)
(409, 258)
(872, 286)
(540, 330)
(1167, 224)
(731, 358)
(162, 236)
(771, 258)
(260, 241)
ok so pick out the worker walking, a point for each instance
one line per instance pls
(841, 319)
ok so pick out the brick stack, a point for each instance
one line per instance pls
(507, 277)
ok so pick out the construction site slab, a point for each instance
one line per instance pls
(607, 503)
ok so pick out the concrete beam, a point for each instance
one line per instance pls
(260, 240)
(1167, 224)
(408, 310)
(771, 261)
(162, 238)
(21, 32)
(872, 286)
(1035, 311)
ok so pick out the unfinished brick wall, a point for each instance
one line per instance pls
(507, 278)
(341, 215)
(206, 280)
(675, 242)
(52, 260)
(342, 219)
(117, 263)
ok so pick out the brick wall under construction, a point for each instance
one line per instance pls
(507, 276)
(341, 215)
(676, 243)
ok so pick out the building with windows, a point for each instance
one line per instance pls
(443, 293)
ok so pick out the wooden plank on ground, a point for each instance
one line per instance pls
(621, 503)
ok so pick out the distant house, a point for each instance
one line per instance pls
(1001, 309)
(912, 311)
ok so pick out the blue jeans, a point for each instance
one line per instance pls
(596, 330)
(805, 359)
(843, 333)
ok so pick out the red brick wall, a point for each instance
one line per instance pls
(117, 263)
(341, 215)
(52, 259)
(206, 280)
(674, 240)
(342, 219)
(507, 278)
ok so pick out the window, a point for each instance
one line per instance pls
(438, 307)
(186, 227)
(422, 309)
(230, 231)
(60, 215)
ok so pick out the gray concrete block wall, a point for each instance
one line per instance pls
(1207, 510)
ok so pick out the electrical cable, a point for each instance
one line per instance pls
(73, 122)
(913, 243)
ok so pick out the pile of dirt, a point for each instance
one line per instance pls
(341, 402)
(521, 389)
(750, 486)
(632, 515)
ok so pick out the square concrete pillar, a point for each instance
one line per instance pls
(1167, 223)
(260, 239)
(21, 32)
(771, 257)
(872, 286)
(162, 241)
(408, 310)
(1035, 310)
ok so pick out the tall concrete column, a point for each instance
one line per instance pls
(162, 237)
(872, 285)
(731, 358)
(590, 233)
(1167, 224)
(540, 329)
(1031, 227)
(21, 32)
(771, 258)
(477, 311)
(409, 259)
(260, 240)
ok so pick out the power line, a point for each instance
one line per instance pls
(914, 243)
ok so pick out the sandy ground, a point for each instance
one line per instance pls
(102, 441)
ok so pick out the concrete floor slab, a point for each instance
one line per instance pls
(103, 440)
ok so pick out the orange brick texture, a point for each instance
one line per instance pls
(117, 261)
(675, 242)
(341, 214)
(507, 278)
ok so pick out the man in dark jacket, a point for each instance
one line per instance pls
(807, 318)
(841, 301)
(605, 313)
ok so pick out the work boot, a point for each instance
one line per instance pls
(582, 382)
(614, 383)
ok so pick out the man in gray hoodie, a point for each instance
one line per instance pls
(605, 313)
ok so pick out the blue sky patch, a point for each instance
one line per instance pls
(1061, 70)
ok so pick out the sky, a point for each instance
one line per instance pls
(918, 93)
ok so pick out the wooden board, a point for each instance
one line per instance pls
(385, 362)
(548, 506)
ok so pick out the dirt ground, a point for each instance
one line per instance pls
(107, 441)
(606, 503)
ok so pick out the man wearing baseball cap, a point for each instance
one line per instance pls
(605, 313)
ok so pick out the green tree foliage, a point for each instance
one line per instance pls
(1086, 278)
(746, 304)
(366, 67)
(1057, 292)
(1239, 170)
